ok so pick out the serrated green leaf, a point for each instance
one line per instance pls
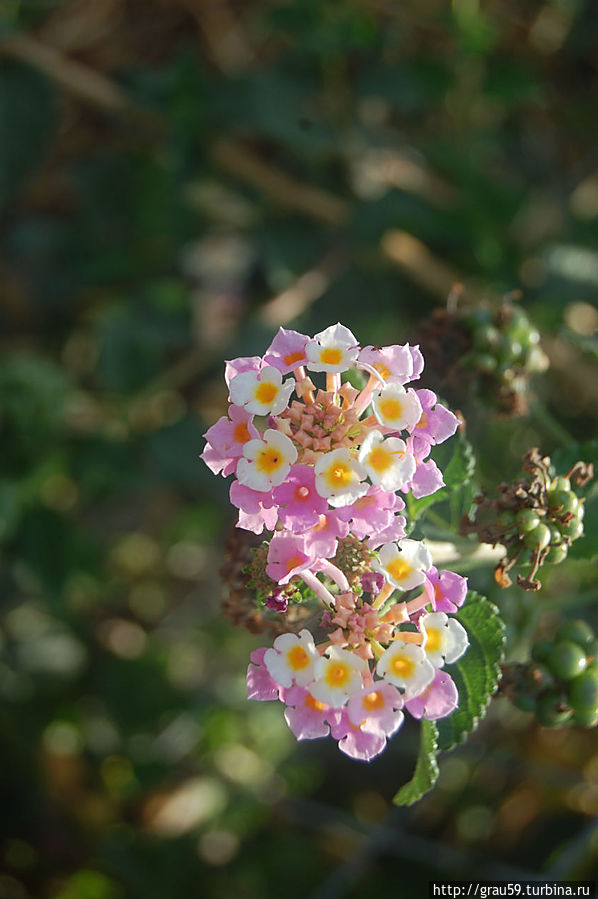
(426, 768)
(477, 673)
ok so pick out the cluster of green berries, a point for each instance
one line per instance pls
(561, 683)
(536, 519)
(492, 352)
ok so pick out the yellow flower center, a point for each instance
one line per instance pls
(266, 393)
(331, 356)
(373, 701)
(402, 666)
(399, 569)
(423, 422)
(241, 432)
(390, 408)
(314, 704)
(380, 459)
(297, 658)
(382, 370)
(293, 357)
(339, 474)
(269, 460)
(337, 674)
(433, 639)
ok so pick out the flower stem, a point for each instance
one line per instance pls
(336, 575)
(385, 592)
(318, 588)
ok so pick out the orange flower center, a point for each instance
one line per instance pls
(373, 701)
(380, 459)
(293, 357)
(382, 370)
(402, 666)
(293, 562)
(301, 494)
(265, 393)
(331, 356)
(390, 408)
(241, 432)
(339, 474)
(423, 422)
(433, 640)
(399, 569)
(297, 658)
(314, 704)
(337, 674)
(269, 460)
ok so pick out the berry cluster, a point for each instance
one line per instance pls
(494, 351)
(536, 519)
(319, 468)
(561, 684)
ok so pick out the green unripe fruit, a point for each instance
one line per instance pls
(508, 351)
(556, 554)
(561, 483)
(578, 631)
(562, 501)
(525, 702)
(505, 521)
(541, 650)
(539, 538)
(585, 718)
(572, 529)
(592, 653)
(551, 711)
(484, 362)
(486, 336)
(567, 660)
(527, 520)
(583, 692)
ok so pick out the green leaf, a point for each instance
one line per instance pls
(426, 768)
(477, 673)
(457, 474)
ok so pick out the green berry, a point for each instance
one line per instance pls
(525, 701)
(577, 631)
(562, 501)
(591, 649)
(508, 351)
(561, 483)
(583, 691)
(505, 521)
(585, 718)
(486, 336)
(572, 529)
(542, 649)
(527, 520)
(551, 711)
(484, 362)
(539, 538)
(556, 554)
(567, 660)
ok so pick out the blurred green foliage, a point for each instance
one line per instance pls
(167, 173)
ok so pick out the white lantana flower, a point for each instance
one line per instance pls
(261, 392)
(404, 564)
(338, 675)
(386, 461)
(397, 408)
(405, 665)
(445, 638)
(266, 463)
(340, 477)
(334, 350)
(292, 659)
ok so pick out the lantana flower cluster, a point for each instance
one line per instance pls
(319, 471)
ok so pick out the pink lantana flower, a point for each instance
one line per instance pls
(287, 350)
(300, 503)
(418, 362)
(306, 716)
(427, 479)
(354, 741)
(256, 509)
(373, 512)
(377, 709)
(322, 540)
(438, 700)
(260, 684)
(226, 439)
(234, 367)
(292, 659)
(394, 363)
(333, 350)
(436, 424)
(395, 531)
(287, 556)
(446, 590)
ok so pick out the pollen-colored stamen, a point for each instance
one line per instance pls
(265, 393)
(331, 356)
(380, 459)
(402, 666)
(399, 569)
(293, 357)
(337, 675)
(314, 704)
(297, 658)
(433, 640)
(382, 370)
(241, 432)
(373, 701)
(390, 408)
(269, 460)
(339, 475)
